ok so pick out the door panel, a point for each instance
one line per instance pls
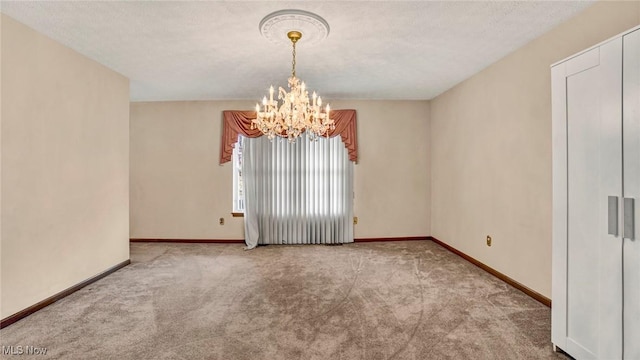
(583, 104)
(594, 172)
(631, 141)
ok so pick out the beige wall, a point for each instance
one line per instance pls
(179, 191)
(491, 150)
(393, 174)
(65, 160)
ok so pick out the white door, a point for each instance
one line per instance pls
(631, 141)
(587, 288)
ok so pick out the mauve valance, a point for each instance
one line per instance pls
(239, 122)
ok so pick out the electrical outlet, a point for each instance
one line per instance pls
(355, 220)
(488, 240)
(221, 221)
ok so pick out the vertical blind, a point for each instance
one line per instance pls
(297, 193)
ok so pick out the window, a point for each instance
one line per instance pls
(316, 165)
(297, 193)
(238, 194)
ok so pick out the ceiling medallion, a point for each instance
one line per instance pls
(277, 24)
(293, 113)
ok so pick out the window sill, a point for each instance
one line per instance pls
(237, 214)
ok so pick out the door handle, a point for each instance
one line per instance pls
(629, 219)
(613, 215)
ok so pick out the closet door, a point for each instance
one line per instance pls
(631, 141)
(587, 242)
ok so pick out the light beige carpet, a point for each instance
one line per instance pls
(389, 300)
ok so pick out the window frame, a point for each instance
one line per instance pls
(238, 195)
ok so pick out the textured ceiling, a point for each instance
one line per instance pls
(214, 50)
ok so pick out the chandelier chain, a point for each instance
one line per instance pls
(293, 63)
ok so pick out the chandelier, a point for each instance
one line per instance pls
(293, 113)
